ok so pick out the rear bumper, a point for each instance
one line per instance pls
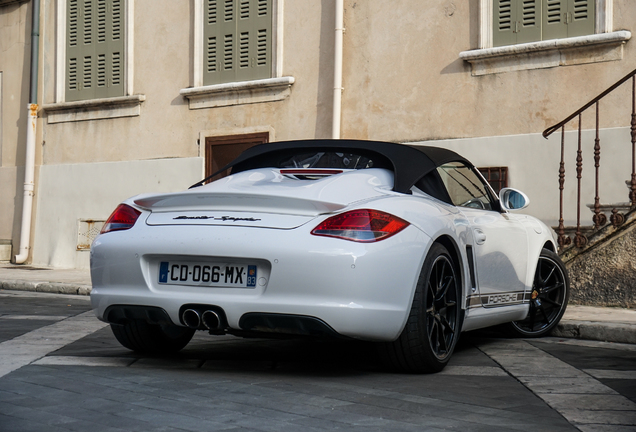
(359, 290)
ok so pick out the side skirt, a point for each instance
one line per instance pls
(480, 317)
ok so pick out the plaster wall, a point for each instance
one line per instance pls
(10, 198)
(15, 44)
(404, 80)
(70, 192)
(14, 96)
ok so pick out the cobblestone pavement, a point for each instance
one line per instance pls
(62, 370)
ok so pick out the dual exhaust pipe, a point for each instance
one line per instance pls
(196, 320)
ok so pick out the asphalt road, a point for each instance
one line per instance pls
(62, 370)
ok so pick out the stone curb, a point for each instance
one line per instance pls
(47, 287)
(605, 331)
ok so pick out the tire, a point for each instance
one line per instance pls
(433, 325)
(145, 338)
(550, 294)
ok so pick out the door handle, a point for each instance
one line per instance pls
(480, 236)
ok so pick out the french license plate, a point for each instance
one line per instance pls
(207, 274)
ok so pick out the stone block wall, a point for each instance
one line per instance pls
(605, 275)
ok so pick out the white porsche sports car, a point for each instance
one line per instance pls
(402, 245)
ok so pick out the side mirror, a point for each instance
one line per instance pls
(512, 199)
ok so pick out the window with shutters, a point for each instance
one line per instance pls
(237, 56)
(535, 34)
(94, 49)
(237, 40)
(521, 21)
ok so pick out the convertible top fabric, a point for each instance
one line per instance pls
(409, 163)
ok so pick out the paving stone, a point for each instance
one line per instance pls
(161, 418)
(84, 361)
(24, 388)
(14, 424)
(473, 370)
(626, 388)
(584, 385)
(167, 363)
(104, 419)
(321, 424)
(612, 374)
(591, 401)
(10, 329)
(622, 418)
(44, 305)
(104, 406)
(593, 356)
(605, 428)
(35, 415)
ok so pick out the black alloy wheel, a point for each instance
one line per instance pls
(549, 297)
(433, 325)
(441, 307)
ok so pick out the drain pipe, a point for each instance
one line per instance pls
(32, 117)
(337, 72)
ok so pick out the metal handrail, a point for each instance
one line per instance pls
(549, 131)
(599, 218)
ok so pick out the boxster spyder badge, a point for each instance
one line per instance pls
(222, 218)
(406, 246)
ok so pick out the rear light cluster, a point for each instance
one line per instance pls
(123, 218)
(361, 226)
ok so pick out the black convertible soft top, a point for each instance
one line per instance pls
(409, 163)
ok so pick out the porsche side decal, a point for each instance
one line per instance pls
(500, 299)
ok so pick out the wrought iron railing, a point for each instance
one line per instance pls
(599, 219)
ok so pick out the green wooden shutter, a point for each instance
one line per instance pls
(237, 40)
(554, 19)
(529, 21)
(516, 21)
(581, 19)
(568, 18)
(94, 49)
(504, 17)
(211, 41)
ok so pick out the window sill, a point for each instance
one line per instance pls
(546, 54)
(94, 109)
(238, 93)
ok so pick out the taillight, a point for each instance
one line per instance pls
(361, 226)
(123, 218)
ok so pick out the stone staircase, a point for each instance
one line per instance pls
(600, 258)
(603, 272)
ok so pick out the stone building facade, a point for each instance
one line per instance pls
(147, 95)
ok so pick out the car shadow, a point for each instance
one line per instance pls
(299, 356)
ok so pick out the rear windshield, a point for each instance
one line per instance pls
(327, 160)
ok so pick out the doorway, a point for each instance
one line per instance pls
(221, 150)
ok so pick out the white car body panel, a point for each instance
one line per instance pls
(501, 251)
